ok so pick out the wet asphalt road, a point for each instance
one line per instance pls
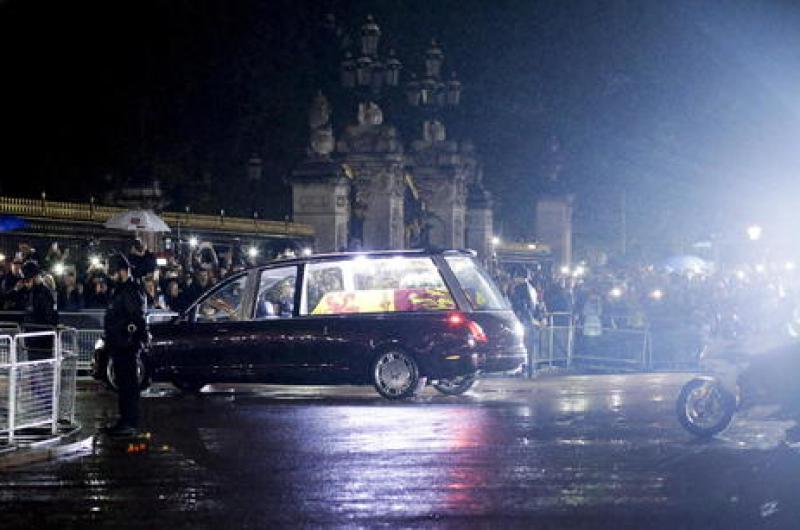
(560, 452)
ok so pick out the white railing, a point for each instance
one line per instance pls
(37, 381)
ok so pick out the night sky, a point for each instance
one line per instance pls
(690, 107)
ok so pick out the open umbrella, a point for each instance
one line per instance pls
(11, 222)
(137, 220)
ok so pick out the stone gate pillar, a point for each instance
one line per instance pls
(320, 198)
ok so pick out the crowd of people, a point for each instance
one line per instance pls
(170, 283)
(722, 302)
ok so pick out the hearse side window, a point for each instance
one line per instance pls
(275, 297)
(478, 287)
(223, 304)
(375, 285)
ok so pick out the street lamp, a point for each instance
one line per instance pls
(754, 232)
(495, 241)
(393, 67)
(370, 34)
(433, 60)
(193, 242)
(252, 252)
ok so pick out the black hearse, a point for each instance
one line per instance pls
(391, 319)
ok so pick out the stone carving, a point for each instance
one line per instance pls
(370, 139)
(321, 142)
(369, 114)
(434, 131)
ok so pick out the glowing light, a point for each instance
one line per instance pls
(495, 241)
(252, 252)
(455, 319)
(58, 269)
(519, 329)
(580, 270)
(161, 262)
(754, 232)
(564, 269)
(531, 246)
(193, 242)
(615, 292)
(760, 268)
(789, 265)
(741, 275)
(94, 261)
(657, 294)
(307, 251)
(2, 257)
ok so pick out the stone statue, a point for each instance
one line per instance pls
(434, 131)
(369, 114)
(321, 142)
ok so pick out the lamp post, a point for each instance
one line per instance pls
(432, 92)
(368, 74)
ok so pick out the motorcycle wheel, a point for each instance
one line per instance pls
(141, 375)
(455, 386)
(188, 386)
(705, 408)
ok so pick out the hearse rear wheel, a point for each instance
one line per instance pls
(395, 375)
(455, 386)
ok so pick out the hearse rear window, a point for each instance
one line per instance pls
(374, 285)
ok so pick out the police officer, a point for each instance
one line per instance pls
(125, 334)
(40, 310)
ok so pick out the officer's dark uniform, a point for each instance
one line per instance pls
(125, 333)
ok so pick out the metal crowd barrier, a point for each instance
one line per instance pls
(87, 325)
(616, 346)
(37, 381)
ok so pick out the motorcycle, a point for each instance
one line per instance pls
(740, 373)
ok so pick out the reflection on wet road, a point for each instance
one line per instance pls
(570, 452)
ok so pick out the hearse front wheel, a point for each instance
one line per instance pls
(395, 374)
(455, 386)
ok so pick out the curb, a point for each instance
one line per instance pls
(26, 456)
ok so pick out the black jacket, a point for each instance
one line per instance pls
(41, 306)
(124, 325)
(142, 265)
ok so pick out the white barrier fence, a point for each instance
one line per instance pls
(37, 382)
